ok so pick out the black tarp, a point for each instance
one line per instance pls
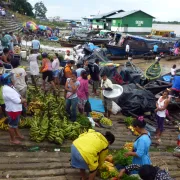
(92, 56)
(130, 76)
(136, 101)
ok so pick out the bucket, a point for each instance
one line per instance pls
(23, 54)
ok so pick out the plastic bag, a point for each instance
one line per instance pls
(91, 121)
(115, 108)
(87, 107)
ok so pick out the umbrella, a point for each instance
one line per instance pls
(41, 27)
(30, 25)
(48, 28)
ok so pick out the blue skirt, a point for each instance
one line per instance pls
(77, 160)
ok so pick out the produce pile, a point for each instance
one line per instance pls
(49, 119)
(105, 121)
(129, 121)
(96, 116)
(109, 171)
(3, 126)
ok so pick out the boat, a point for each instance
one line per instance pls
(138, 45)
(161, 33)
(95, 41)
(54, 38)
(157, 86)
(153, 72)
(132, 74)
(67, 43)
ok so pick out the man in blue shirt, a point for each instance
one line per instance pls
(155, 49)
(79, 70)
(36, 44)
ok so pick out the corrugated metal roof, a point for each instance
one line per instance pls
(124, 14)
(99, 16)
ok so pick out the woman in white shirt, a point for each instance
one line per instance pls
(173, 70)
(55, 68)
(13, 102)
(34, 67)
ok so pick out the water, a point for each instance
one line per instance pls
(170, 27)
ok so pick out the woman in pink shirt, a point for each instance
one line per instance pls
(82, 91)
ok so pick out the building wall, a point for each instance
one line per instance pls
(137, 22)
(97, 23)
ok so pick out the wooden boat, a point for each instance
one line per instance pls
(157, 86)
(173, 102)
(161, 83)
(95, 41)
(153, 72)
(171, 57)
(67, 44)
(138, 45)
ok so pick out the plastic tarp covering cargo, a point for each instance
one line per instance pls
(136, 101)
(96, 54)
(176, 83)
(130, 76)
(109, 71)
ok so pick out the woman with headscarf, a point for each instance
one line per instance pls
(13, 102)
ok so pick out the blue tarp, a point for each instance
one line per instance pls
(97, 105)
(167, 78)
(92, 47)
(176, 83)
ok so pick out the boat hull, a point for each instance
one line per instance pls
(120, 51)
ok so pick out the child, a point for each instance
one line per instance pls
(107, 85)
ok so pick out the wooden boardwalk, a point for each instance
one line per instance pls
(19, 164)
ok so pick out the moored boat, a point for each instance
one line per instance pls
(67, 43)
(153, 72)
(157, 86)
(138, 45)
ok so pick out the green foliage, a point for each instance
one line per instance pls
(128, 121)
(120, 158)
(40, 9)
(126, 177)
(83, 120)
(22, 6)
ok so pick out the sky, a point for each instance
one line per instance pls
(162, 10)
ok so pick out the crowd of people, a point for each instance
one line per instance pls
(13, 94)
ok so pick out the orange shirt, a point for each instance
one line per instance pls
(67, 71)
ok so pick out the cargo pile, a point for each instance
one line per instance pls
(48, 119)
(129, 121)
(109, 171)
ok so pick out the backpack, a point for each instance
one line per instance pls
(62, 76)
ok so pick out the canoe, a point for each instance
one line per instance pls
(153, 72)
(136, 69)
(157, 86)
(67, 44)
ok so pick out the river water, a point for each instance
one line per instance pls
(170, 27)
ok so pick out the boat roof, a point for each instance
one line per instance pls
(144, 39)
(105, 15)
(124, 14)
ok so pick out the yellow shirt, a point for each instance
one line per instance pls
(93, 147)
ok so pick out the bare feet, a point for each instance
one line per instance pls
(20, 137)
(15, 142)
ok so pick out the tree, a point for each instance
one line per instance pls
(40, 9)
(22, 6)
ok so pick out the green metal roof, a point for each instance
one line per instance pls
(105, 15)
(124, 14)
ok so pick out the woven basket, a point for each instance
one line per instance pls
(159, 163)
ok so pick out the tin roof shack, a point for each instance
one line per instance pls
(101, 22)
(134, 22)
